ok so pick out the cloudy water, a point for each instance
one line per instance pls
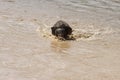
(28, 51)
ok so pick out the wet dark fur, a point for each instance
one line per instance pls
(61, 29)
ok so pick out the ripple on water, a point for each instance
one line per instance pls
(91, 33)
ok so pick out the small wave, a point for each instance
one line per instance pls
(91, 33)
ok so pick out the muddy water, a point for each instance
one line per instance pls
(28, 51)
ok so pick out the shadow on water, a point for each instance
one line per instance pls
(60, 46)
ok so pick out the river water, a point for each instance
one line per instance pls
(28, 51)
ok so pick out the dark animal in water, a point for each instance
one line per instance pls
(61, 30)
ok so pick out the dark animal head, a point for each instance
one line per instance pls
(61, 30)
(61, 33)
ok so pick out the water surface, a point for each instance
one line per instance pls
(29, 52)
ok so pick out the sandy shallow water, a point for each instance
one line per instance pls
(29, 52)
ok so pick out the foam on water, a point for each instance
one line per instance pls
(90, 32)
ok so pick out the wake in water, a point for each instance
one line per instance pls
(78, 34)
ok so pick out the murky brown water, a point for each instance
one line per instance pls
(28, 51)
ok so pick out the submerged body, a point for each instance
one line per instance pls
(61, 30)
